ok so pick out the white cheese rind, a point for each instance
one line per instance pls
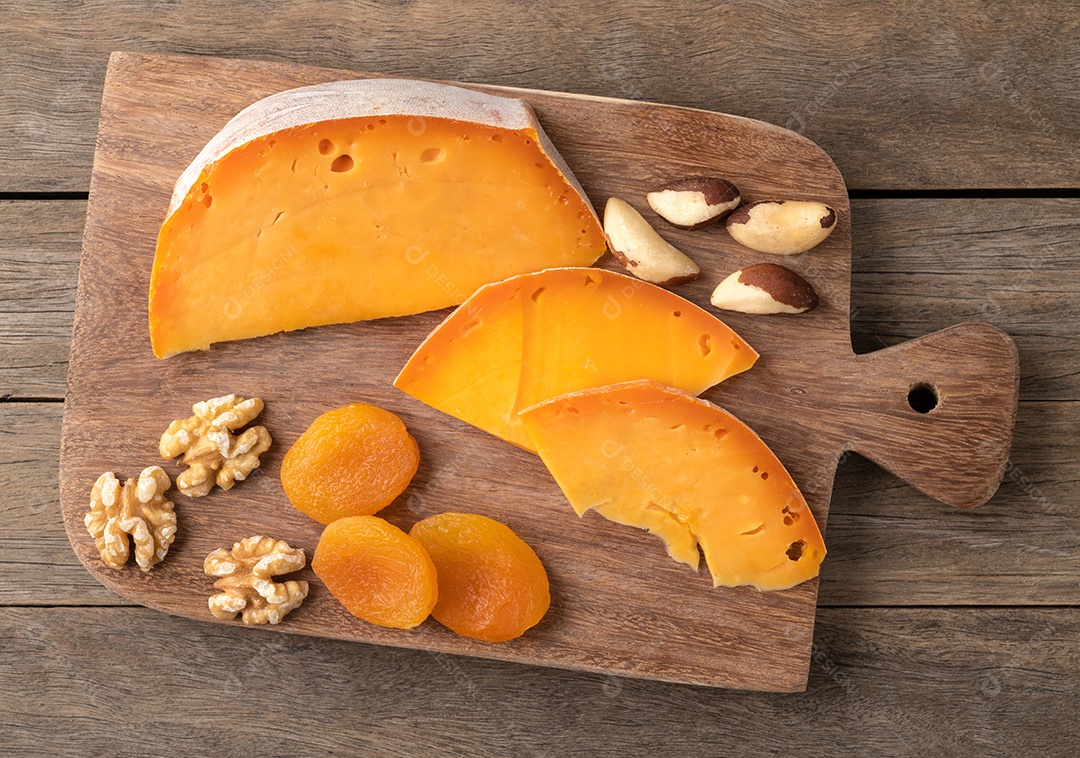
(357, 98)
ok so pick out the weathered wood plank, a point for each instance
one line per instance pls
(938, 98)
(957, 682)
(885, 540)
(919, 266)
(39, 270)
(36, 560)
(888, 545)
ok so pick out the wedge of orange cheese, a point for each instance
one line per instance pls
(359, 200)
(651, 456)
(538, 335)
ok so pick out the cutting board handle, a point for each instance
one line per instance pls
(938, 411)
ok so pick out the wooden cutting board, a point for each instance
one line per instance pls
(619, 604)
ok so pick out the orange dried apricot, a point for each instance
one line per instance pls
(492, 586)
(352, 461)
(378, 572)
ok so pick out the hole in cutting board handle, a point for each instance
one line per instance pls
(922, 397)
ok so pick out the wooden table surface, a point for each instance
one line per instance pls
(940, 632)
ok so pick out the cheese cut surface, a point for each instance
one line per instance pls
(360, 200)
(534, 336)
(655, 457)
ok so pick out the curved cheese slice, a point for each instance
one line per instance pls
(359, 200)
(658, 458)
(534, 336)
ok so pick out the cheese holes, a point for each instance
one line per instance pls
(342, 163)
(470, 328)
(326, 147)
(794, 552)
(705, 345)
(536, 295)
(431, 155)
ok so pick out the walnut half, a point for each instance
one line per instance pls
(246, 580)
(211, 450)
(137, 509)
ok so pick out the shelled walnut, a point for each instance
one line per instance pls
(210, 449)
(137, 509)
(246, 580)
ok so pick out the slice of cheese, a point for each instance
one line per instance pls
(538, 335)
(655, 457)
(359, 200)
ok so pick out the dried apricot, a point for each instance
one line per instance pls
(379, 573)
(492, 585)
(352, 461)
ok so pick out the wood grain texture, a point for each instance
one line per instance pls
(960, 94)
(920, 681)
(918, 266)
(897, 682)
(35, 556)
(889, 545)
(921, 265)
(38, 272)
(157, 112)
